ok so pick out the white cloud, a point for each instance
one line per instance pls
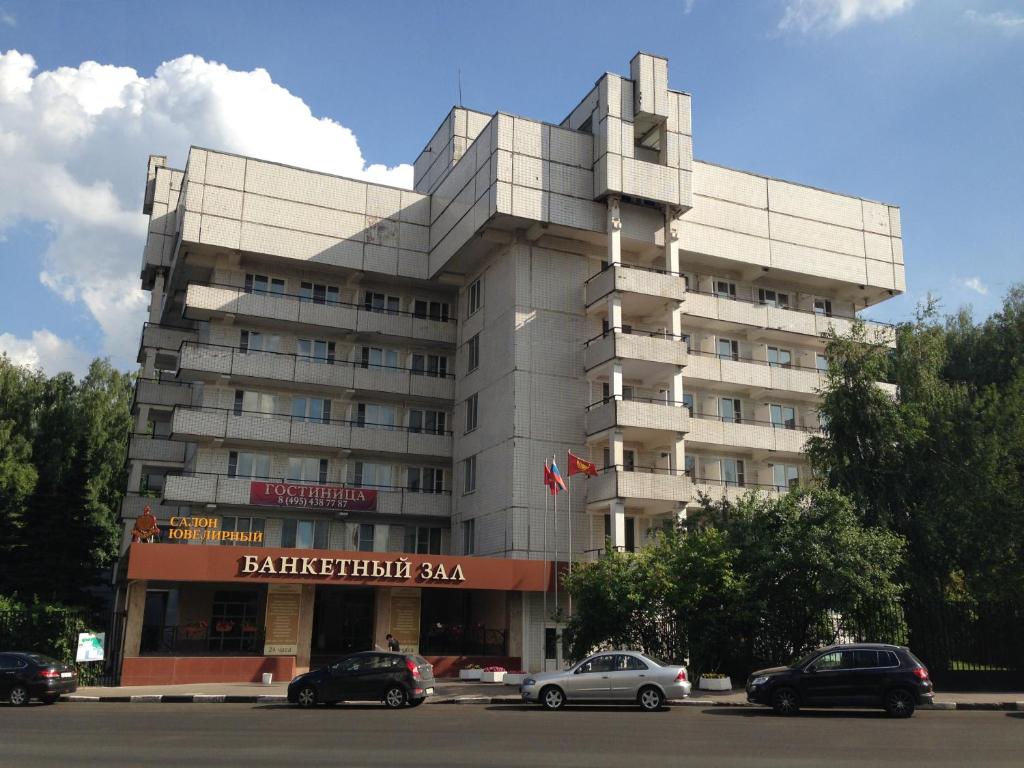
(47, 352)
(7, 19)
(975, 284)
(1001, 20)
(73, 149)
(831, 16)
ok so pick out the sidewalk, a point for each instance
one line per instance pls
(451, 691)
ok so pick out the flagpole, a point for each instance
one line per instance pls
(568, 521)
(554, 462)
(547, 577)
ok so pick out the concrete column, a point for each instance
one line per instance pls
(616, 380)
(677, 388)
(156, 304)
(134, 476)
(762, 413)
(617, 510)
(149, 365)
(514, 609)
(135, 609)
(142, 419)
(678, 455)
(671, 242)
(614, 310)
(614, 231)
(381, 616)
(304, 646)
(615, 448)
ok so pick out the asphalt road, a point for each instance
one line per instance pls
(453, 735)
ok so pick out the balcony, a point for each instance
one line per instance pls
(714, 431)
(133, 504)
(647, 289)
(205, 302)
(209, 361)
(166, 340)
(718, 490)
(657, 488)
(753, 374)
(206, 489)
(721, 310)
(638, 418)
(162, 392)
(245, 427)
(650, 351)
(159, 450)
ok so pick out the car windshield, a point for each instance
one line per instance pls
(804, 661)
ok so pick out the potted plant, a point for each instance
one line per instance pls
(515, 677)
(471, 672)
(492, 675)
(714, 681)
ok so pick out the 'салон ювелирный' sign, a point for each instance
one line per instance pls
(265, 493)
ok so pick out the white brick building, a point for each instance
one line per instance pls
(585, 287)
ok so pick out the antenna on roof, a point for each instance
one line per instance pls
(460, 86)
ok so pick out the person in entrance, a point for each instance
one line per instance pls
(392, 643)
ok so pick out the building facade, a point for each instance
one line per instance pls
(340, 371)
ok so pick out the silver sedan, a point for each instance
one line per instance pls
(609, 676)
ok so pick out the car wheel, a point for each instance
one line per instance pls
(552, 697)
(395, 697)
(306, 696)
(415, 702)
(899, 703)
(785, 701)
(650, 699)
(18, 696)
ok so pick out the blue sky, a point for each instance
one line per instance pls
(915, 103)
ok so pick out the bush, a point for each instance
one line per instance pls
(47, 628)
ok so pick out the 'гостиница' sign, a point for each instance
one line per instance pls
(263, 493)
(341, 568)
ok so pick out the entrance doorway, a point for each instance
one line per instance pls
(342, 620)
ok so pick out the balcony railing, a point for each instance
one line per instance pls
(633, 278)
(257, 426)
(786, 308)
(320, 372)
(651, 346)
(144, 447)
(213, 488)
(205, 299)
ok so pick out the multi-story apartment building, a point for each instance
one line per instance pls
(341, 380)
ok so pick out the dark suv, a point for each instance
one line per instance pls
(397, 679)
(864, 675)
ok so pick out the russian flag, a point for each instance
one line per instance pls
(556, 476)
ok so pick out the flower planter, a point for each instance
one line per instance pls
(470, 674)
(715, 684)
(492, 677)
(514, 679)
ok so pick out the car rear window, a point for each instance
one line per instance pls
(659, 662)
(916, 660)
(420, 661)
(43, 661)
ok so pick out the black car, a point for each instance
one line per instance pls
(397, 679)
(863, 675)
(25, 676)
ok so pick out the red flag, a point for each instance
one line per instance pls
(579, 466)
(549, 480)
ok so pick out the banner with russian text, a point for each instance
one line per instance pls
(264, 493)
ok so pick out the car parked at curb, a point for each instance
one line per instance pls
(861, 675)
(619, 677)
(25, 676)
(396, 679)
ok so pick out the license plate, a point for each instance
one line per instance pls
(430, 691)
(67, 674)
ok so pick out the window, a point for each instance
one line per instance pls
(381, 302)
(606, 391)
(375, 416)
(423, 540)
(785, 476)
(730, 409)
(469, 471)
(690, 467)
(473, 357)
(425, 480)
(430, 422)
(429, 365)
(779, 358)
(245, 464)
(783, 416)
(628, 458)
(255, 341)
(829, 661)
(476, 298)
(732, 472)
(319, 293)
(261, 284)
(311, 409)
(725, 290)
(376, 357)
(244, 525)
(625, 663)
(307, 469)
(821, 362)
(317, 350)
(468, 537)
(364, 542)
(624, 328)
(255, 403)
(234, 619)
(433, 310)
(630, 545)
(304, 534)
(153, 482)
(686, 341)
(471, 411)
(688, 402)
(823, 307)
(773, 298)
(728, 349)
(371, 474)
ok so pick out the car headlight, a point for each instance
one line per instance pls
(759, 680)
(529, 681)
